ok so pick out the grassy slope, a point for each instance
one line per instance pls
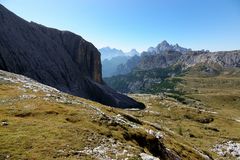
(204, 97)
(48, 124)
(43, 123)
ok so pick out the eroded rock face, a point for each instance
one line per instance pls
(163, 60)
(56, 58)
(225, 59)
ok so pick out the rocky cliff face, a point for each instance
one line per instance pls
(163, 60)
(60, 59)
(224, 58)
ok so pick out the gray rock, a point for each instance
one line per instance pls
(226, 59)
(228, 148)
(145, 156)
(4, 123)
(163, 60)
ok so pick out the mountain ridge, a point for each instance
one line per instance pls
(109, 53)
(165, 54)
(165, 46)
(150, 72)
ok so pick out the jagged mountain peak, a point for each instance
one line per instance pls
(109, 53)
(176, 45)
(164, 43)
(132, 52)
(165, 46)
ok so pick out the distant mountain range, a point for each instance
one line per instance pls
(163, 55)
(115, 61)
(112, 57)
(109, 53)
(153, 66)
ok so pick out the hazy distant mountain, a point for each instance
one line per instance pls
(133, 52)
(128, 66)
(109, 53)
(112, 57)
(109, 67)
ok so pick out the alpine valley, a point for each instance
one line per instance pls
(168, 103)
(194, 94)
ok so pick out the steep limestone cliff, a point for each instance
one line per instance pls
(60, 59)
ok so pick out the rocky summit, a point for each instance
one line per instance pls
(165, 46)
(60, 59)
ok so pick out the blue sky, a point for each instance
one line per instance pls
(127, 24)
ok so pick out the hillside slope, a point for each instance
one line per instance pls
(40, 122)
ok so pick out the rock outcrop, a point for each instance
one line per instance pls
(226, 59)
(163, 60)
(60, 59)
